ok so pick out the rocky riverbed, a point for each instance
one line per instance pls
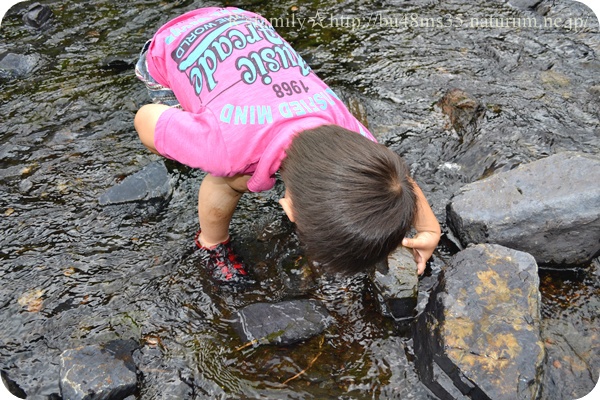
(465, 91)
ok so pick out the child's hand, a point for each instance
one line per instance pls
(423, 245)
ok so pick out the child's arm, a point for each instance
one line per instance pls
(428, 231)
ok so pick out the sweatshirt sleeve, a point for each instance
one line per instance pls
(193, 139)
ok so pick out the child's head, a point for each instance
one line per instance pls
(351, 198)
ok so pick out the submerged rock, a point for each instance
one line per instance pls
(480, 332)
(281, 323)
(462, 108)
(396, 282)
(389, 358)
(155, 367)
(548, 208)
(151, 183)
(573, 358)
(98, 371)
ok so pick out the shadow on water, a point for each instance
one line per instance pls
(75, 273)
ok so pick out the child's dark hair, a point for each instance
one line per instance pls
(352, 198)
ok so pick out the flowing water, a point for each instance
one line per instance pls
(76, 273)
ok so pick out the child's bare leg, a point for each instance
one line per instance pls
(217, 200)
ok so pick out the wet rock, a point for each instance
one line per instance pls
(505, 55)
(98, 371)
(480, 330)
(462, 108)
(281, 323)
(573, 359)
(548, 208)
(25, 186)
(151, 183)
(524, 5)
(396, 282)
(37, 15)
(17, 65)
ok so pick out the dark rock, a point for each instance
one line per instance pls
(548, 208)
(18, 65)
(396, 283)
(117, 64)
(98, 371)
(281, 323)
(481, 328)
(151, 183)
(37, 15)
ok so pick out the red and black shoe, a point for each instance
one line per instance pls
(222, 263)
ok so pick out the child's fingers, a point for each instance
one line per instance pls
(420, 260)
(406, 242)
(418, 256)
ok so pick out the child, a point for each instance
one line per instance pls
(232, 98)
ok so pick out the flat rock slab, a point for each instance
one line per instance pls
(98, 372)
(548, 208)
(396, 282)
(281, 323)
(150, 183)
(480, 330)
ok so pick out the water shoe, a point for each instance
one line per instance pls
(222, 263)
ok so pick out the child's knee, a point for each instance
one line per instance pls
(145, 122)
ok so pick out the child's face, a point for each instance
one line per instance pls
(286, 204)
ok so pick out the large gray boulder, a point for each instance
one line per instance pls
(479, 335)
(549, 208)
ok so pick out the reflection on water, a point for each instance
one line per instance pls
(75, 273)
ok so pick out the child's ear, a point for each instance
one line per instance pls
(286, 204)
